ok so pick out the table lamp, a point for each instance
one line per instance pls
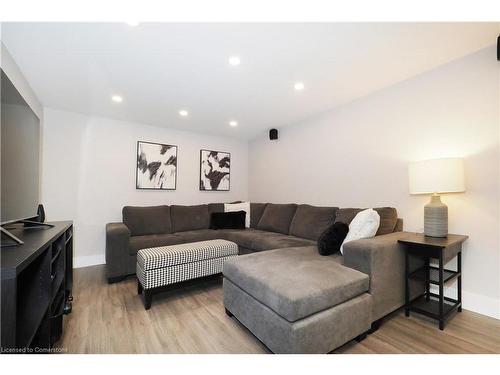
(434, 177)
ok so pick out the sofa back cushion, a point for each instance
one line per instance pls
(388, 218)
(147, 220)
(189, 217)
(345, 215)
(215, 207)
(218, 207)
(399, 225)
(277, 217)
(310, 221)
(256, 211)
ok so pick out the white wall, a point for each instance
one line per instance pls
(15, 75)
(89, 173)
(357, 155)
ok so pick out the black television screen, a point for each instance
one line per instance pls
(20, 155)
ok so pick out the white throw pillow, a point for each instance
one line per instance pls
(364, 225)
(244, 206)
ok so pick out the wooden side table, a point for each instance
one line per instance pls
(433, 305)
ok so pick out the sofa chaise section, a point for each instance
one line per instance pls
(296, 301)
(296, 282)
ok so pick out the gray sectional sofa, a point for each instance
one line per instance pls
(291, 298)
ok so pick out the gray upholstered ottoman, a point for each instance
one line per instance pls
(160, 266)
(297, 301)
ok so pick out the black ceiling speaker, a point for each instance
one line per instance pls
(273, 134)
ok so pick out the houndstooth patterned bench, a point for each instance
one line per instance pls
(160, 266)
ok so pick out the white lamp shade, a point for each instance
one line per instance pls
(437, 176)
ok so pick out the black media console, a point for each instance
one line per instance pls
(37, 278)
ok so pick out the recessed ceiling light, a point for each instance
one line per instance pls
(133, 23)
(233, 123)
(117, 98)
(234, 60)
(183, 113)
(299, 86)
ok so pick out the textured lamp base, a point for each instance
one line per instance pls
(436, 218)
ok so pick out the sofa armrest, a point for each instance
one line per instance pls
(117, 245)
(383, 259)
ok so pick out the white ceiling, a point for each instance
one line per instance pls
(162, 68)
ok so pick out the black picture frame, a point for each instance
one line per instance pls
(202, 186)
(137, 170)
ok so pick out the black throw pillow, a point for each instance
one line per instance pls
(228, 220)
(331, 239)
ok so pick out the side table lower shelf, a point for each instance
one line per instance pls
(429, 306)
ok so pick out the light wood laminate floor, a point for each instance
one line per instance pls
(191, 319)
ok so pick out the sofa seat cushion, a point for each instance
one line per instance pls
(295, 282)
(259, 240)
(270, 241)
(243, 237)
(310, 221)
(152, 240)
(277, 217)
(199, 235)
(147, 220)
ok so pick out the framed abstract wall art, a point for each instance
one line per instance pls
(156, 166)
(215, 170)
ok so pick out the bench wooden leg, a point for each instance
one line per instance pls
(139, 287)
(148, 298)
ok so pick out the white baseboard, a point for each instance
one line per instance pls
(481, 304)
(89, 260)
(474, 302)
